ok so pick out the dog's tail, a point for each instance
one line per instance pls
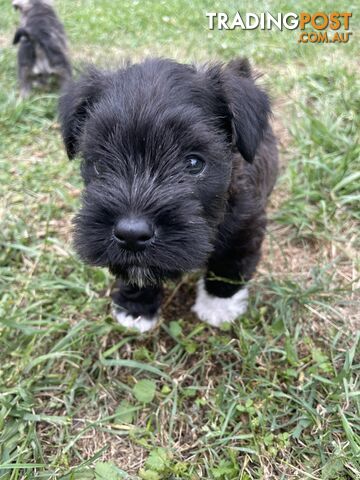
(21, 32)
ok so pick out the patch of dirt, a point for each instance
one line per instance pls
(277, 123)
(6, 40)
(179, 300)
(116, 446)
(284, 258)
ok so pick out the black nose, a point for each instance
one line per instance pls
(133, 233)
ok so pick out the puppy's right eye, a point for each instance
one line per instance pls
(194, 164)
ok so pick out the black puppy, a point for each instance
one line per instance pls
(42, 51)
(178, 163)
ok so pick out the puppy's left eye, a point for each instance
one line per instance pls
(194, 164)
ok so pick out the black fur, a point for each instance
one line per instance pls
(144, 301)
(134, 128)
(42, 54)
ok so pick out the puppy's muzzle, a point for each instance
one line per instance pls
(133, 233)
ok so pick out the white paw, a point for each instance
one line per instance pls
(140, 323)
(217, 310)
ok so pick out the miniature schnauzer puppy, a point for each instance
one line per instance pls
(42, 54)
(178, 163)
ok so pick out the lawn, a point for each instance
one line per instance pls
(276, 395)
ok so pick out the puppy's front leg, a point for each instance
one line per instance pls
(136, 307)
(222, 295)
(25, 82)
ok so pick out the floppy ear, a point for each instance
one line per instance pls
(249, 106)
(74, 106)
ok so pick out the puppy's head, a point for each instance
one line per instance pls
(156, 145)
(25, 5)
(21, 5)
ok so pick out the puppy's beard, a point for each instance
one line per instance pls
(142, 277)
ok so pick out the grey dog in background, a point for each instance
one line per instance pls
(43, 53)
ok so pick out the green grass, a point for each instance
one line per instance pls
(274, 397)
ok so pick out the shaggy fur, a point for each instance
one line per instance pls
(42, 53)
(138, 131)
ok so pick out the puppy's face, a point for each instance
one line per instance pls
(155, 139)
(21, 5)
